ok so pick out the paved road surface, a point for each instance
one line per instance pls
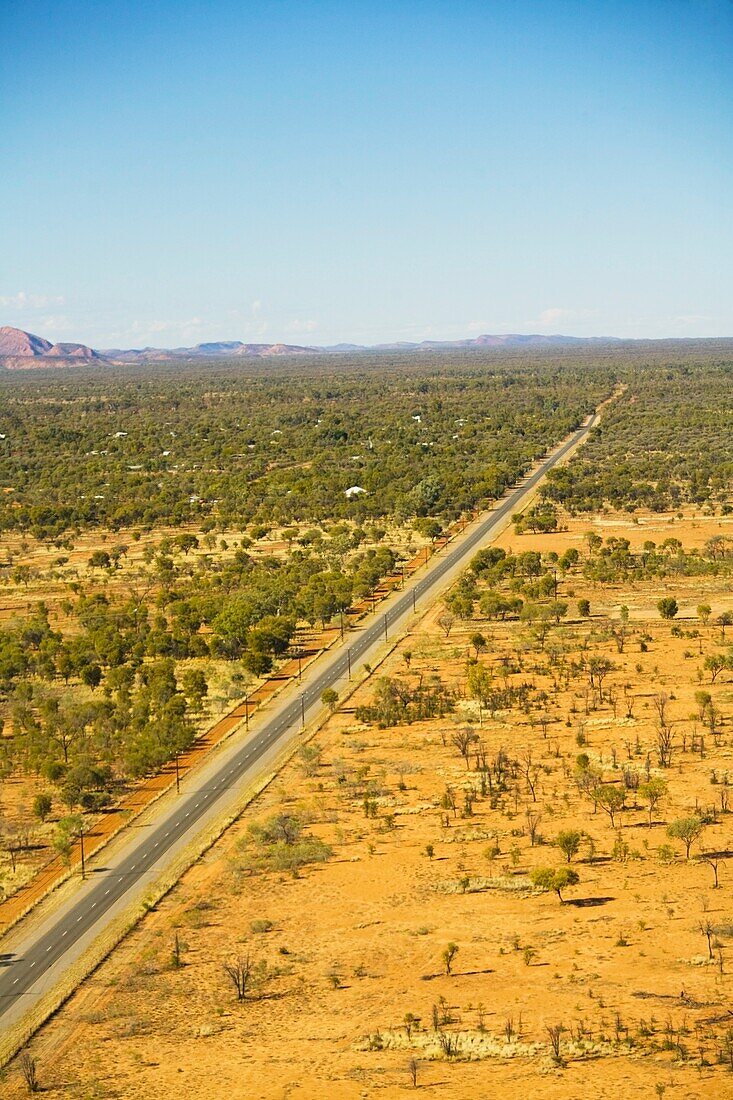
(26, 974)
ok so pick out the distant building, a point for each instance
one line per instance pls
(354, 491)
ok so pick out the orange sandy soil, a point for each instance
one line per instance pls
(356, 943)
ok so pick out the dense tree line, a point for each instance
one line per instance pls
(664, 443)
(236, 446)
(126, 651)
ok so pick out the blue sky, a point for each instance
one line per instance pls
(313, 172)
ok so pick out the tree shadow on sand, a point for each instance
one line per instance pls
(587, 903)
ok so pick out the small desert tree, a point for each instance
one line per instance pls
(448, 955)
(551, 880)
(446, 622)
(479, 684)
(686, 829)
(568, 841)
(598, 670)
(330, 698)
(42, 806)
(715, 663)
(611, 799)
(653, 791)
(69, 830)
(703, 700)
(310, 759)
(667, 607)
(194, 686)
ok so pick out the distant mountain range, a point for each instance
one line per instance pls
(235, 349)
(219, 349)
(21, 350)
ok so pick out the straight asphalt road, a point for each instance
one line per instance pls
(26, 973)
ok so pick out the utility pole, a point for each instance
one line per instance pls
(342, 625)
(178, 777)
(246, 714)
(385, 628)
(414, 600)
(81, 841)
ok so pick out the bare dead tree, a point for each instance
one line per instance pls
(240, 972)
(660, 702)
(533, 823)
(612, 697)
(28, 1069)
(629, 701)
(708, 930)
(530, 773)
(618, 634)
(664, 746)
(554, 1033)
(713, 722)
(463, 739)
(713, 861)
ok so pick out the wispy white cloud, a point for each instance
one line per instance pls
(564, 318)
(57, 323)
(22, 301)
(692, 319)
(484, 327)
(155, 332)
(295, 326)
(192, 325)
(555, 314)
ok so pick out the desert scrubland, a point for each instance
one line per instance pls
(390, 837)
(504, 861)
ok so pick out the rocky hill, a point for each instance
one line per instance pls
(21, 350)
(218, 349)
